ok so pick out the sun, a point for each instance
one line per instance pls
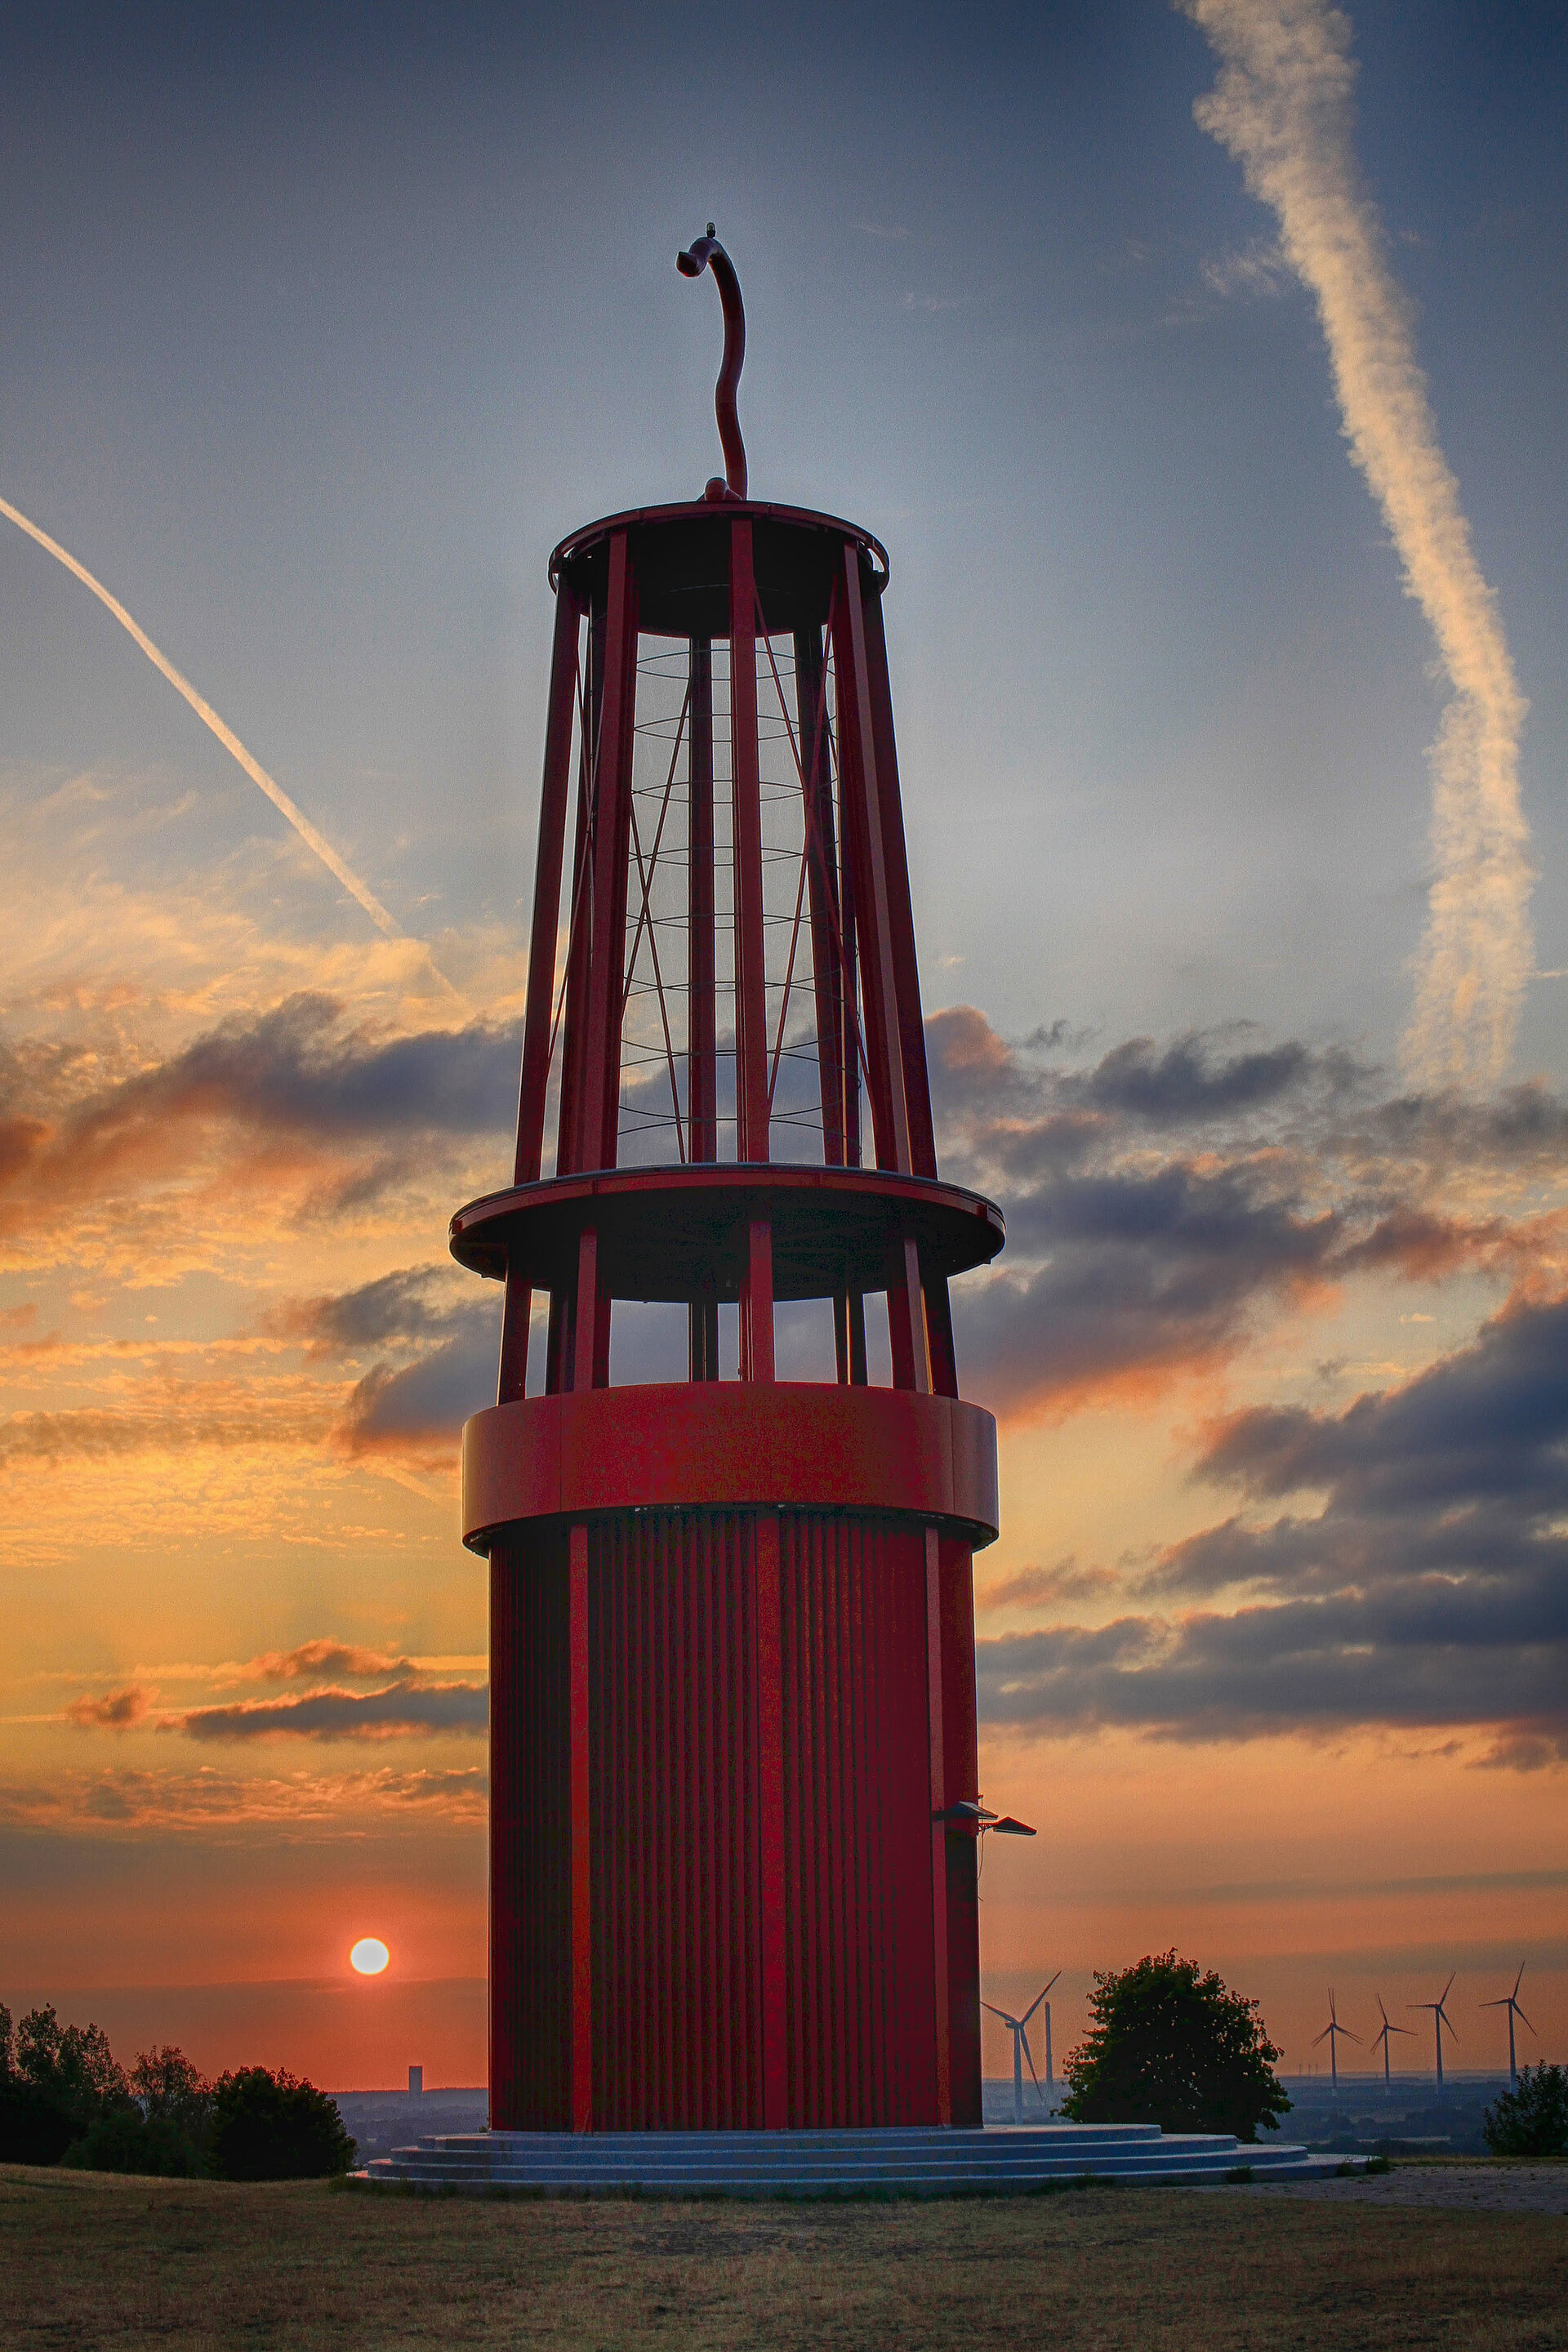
(369, 1956)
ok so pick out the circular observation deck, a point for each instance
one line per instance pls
(676, 1235)
(681, 555)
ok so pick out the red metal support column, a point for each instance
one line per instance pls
(757, 1302)
(827, 931)
(901, 910)
(962, 1767)
(581, 1896)
(580, 943)
(906, 1318)
(750, 972)
(769, 1657)
(822, 883)
(884, 1048)
(588, 1318)
(935, 1713)
(751, 948)
(863, 818)
(850, 1334)
(701, 1012)
(579, 956)
(598, 1119)
(938, 1334)
(535, 1081)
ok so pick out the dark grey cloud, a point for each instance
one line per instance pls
(441, 1330)
(299, 1066)
(1158, 1200)
(1488, 1423)
(419, 1408)
(1188, 1081)
(1429, 1589)
(401, 1710)
(1295, 1666)
(1135, 1272)
(1522, 1126)
(1194, 1080)
(300, 1075)
(416, 1304)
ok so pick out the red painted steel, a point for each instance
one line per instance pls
(732, 1642)
(708, 253)
(790, 1446)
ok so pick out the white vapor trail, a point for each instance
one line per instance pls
(1282, 106)
(209, 717)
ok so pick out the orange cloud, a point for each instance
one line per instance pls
(1047, 1587)
(90, 1803)
(118, 1710)
(323, 1657)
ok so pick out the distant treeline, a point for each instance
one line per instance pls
(66, 2099)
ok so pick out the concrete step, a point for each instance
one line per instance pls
(797, 2164)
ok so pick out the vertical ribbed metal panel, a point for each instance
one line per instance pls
(861, 2021)
(531, 1977)
(677, 1994)
(961, 1757)
(674, 1831)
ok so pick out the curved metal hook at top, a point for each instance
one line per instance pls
(708, 254)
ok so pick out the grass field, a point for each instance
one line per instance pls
(89, 2260)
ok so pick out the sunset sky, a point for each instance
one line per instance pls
(1223, 464)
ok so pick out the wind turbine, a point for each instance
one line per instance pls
(1509, 2002)
(1383, 2037)
(1331, 2034)
(1439, 2019)
(1018, 2028)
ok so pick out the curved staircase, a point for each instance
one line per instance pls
(1005, 2159)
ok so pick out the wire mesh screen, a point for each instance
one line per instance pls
(656, 1067)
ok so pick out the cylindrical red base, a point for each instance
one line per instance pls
(753, 1921)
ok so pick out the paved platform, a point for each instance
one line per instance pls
(1002, 2158)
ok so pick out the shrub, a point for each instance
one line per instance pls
(33, 2130)
(1172, 2047)
(1532, 2120)
(273, 2127)
(128, 2141)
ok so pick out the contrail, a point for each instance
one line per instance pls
(1282, 107)
(225, 735)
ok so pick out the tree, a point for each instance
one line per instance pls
(1532, 2120)
(166, 2131)
(168, 2088)
(56, 2082)
(273, 2127)
(1173, 2047)
(128, 2141)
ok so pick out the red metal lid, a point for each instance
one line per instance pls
(681, 555)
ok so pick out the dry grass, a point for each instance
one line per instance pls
(88, 2260)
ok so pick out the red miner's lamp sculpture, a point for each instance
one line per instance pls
(733, 1811)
